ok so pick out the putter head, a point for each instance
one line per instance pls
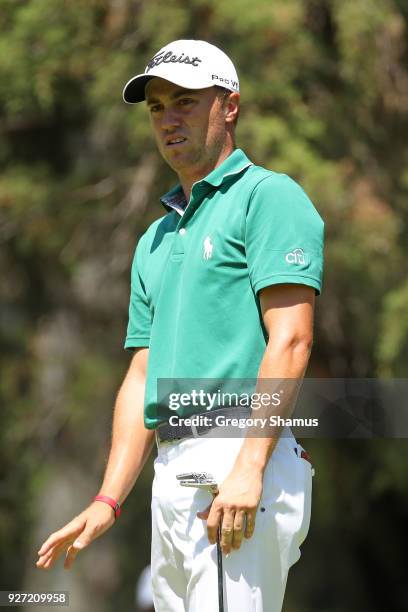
(200, 480)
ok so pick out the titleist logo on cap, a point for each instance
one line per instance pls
(170, 57)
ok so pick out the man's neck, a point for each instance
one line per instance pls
(187, 179)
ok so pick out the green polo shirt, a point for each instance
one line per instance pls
(196, 275)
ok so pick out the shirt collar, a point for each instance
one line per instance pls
(174, 199)
(234, 164)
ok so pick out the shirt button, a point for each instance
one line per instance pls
(182, 231)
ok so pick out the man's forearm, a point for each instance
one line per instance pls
(280, 363)
(131, 441)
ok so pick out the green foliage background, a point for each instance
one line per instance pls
(324, 99)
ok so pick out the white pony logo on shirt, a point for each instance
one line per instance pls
(208, 248)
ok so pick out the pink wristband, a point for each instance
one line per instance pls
(111, 502)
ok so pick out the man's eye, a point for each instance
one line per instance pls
(185, 101)
(155, 108)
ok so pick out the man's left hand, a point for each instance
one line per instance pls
(234, 508)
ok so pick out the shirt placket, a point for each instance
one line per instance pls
(198, 192)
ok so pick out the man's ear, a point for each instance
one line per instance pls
(231, 104)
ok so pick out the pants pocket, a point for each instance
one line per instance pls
(308, 472)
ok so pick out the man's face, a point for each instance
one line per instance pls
(189, 124)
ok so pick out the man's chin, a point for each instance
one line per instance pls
(178, 160)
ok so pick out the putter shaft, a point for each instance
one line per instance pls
(203, 480)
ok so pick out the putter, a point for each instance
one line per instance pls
(203, 480)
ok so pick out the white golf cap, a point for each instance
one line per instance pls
(193, 64)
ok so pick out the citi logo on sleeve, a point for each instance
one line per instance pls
(208, 248)
(296, 256)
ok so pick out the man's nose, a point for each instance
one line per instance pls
(170, 119)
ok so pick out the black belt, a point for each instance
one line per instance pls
(166, 432)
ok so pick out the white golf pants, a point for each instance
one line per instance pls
(184, 564)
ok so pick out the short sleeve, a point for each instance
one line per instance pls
(139, 324)
(284, 235)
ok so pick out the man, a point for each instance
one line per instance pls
(223, 288)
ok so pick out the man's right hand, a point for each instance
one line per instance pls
(76, 535)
